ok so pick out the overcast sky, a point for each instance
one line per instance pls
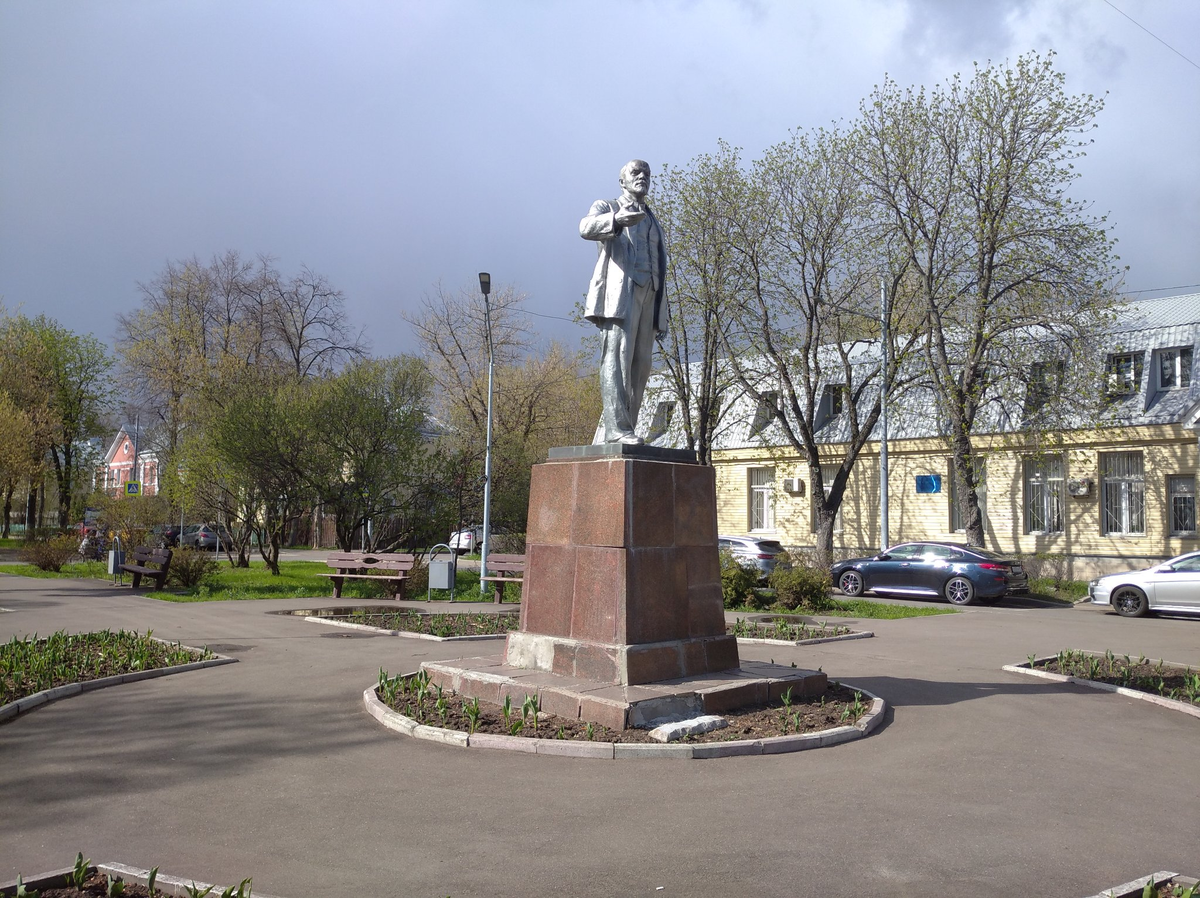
(394, 145)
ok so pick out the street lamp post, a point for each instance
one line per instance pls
(485, 287)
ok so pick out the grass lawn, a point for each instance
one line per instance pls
(296, 580)
(1068, 591)
(859, 608)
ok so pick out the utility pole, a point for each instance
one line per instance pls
(485, 286)
(883, 421)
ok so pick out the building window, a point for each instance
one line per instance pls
(762, 498)
(768, 405)
(1124, 372)
(1181, 496)
(1043, 495)
(957, 523)
(663, 413)
(828, 473)
(1173, 368)
(1123, 492)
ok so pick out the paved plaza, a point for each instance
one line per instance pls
(980, 782)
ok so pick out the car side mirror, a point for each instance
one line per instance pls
(883, 556)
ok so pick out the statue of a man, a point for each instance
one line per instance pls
(626, 298)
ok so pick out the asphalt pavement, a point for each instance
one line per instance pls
(980, 782)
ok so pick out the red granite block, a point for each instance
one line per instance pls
(600, 504)
(606, 713)
(517, 693)
(596, 662)
(695, 505)
(651, 663)
(599, 592)
(560, 702)
(551, 504)
(706, 611)
(695, 659)
(657, 610)
(721, 653)
(563, 660)
(548, 589)
(703, 565)
(717, 701)
(443, 678)
(484, 690)
(652, 503)
(812, 684)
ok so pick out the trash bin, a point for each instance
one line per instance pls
(116, 558)
(441, 575)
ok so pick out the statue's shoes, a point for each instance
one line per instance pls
(630, 439)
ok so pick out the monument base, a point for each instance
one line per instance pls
(622, 664)
(621, 707)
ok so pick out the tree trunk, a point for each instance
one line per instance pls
(31, 510)
(8, 494)
(967, 490)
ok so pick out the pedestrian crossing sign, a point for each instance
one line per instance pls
(133, 487)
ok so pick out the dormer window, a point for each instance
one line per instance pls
(1124, 372)
(1173, 368)
(837, 398)
(1045, 382)
(768, 406)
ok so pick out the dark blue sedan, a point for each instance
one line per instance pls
(962, 574)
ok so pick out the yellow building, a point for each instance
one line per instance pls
(1108, 498)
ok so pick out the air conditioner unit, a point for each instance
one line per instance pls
(794, 485)
(1081, 487)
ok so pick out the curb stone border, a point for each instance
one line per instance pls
(24, 705)
(860, 634)
(771, 745)
(1168, 703)
(408, 634)
(1135, 886)
(171, 886)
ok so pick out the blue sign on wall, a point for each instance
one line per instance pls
(929, 483)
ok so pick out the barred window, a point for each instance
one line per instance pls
(764, 414)
(1044, 495)
(1123, 492)
(1181, 498)
(762, 498)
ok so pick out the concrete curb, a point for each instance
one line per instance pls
(1168, 703)
(749, 640)
(23, 705)
(171, 886)
(774, 745)
(405, 633)
(1135, 886)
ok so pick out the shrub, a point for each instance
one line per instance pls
(50, 554)
(802, 587)
(190, 567)
(507, 543)
(417, 584)
(737, 583)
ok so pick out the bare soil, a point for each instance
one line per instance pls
(837, 706)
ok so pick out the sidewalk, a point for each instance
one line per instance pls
(980, 783)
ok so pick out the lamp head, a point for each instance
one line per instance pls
(485, 283)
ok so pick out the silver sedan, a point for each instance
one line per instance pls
(1172, 587)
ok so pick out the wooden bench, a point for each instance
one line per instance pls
(145, 555)
(395, 568)
(504, 569)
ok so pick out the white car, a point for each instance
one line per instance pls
(466, 541)
(1172, 587)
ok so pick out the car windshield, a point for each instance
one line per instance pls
(770, 546)
(986, 553)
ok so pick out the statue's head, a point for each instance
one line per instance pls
(635, 177)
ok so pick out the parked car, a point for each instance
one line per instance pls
(165, 536)
(467, 540)
(752, 552)
(205, 536)
(1173, 586)
(962, 574)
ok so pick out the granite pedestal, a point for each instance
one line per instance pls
(622, 618)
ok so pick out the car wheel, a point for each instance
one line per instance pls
(1130, 602)
(851, 583)
(960, 591)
